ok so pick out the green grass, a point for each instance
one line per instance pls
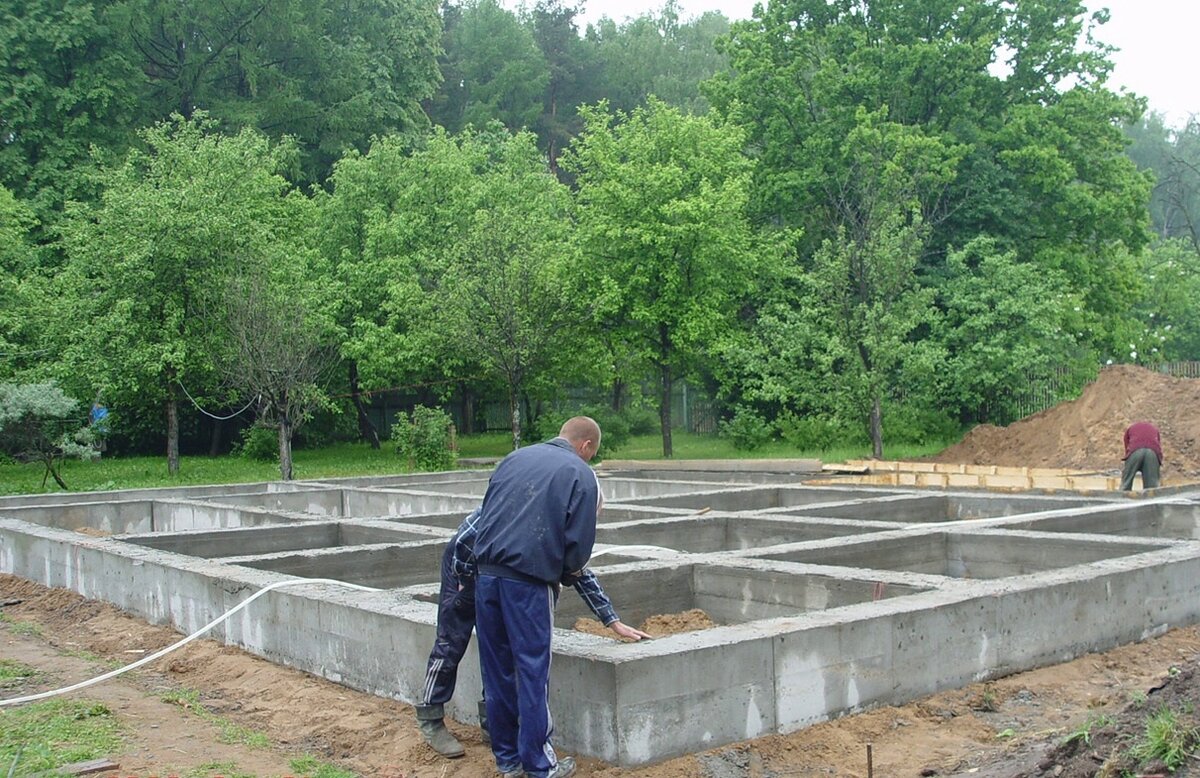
(1083, 732)
(1167, 738)
(26, 628)
(57, 732)
(229, 732)
(223, 769)
(309, 767)
(353, 459)
(14, 674)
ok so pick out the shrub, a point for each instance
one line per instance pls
(819, 433)
(614, 427)
(747, 430)
(260, 444)
(425, 438)
(909, 424)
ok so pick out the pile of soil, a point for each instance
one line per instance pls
(1087, 433)
(655, 626)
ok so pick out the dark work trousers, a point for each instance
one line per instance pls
(455, 620)
(1145, 461)
(515, 622)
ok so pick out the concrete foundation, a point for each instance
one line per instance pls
(828, 599)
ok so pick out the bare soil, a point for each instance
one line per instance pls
(1087, 433)
(1008, 727)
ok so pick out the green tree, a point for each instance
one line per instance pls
(330, 75)
(492, 68)
(1017, 86)
(172, 222)
(656, 54)
(67, 82)
(24, 318)
(39, 423)
(504, 296)
(1173, 156)
(668, 250)
(1006, 324)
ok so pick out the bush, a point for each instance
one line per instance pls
(642, 420)
(614, 427)
(425, 439)
(907, 424)
(747, 430)
(259, 443)
(819, 433)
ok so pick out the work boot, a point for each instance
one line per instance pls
(487, 736)
(433, 729)
(516, 772)
(565, 768)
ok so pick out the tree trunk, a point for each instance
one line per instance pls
(468, 410)
(172, 426)
(57, 478)
(514, 407)
(214, 442)
(876, 428)
(285, 448)
(366, 430)
(618, 394)
(664, 412)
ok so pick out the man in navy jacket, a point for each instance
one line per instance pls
(535, 532)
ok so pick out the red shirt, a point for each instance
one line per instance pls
(1143, 434)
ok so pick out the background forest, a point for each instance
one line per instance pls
(838, 220)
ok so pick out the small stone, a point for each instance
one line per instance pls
(1058, 769)
(928, 771)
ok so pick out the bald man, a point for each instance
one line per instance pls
(535, 532)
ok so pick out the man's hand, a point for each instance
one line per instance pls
(626, 631)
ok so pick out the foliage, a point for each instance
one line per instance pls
(39, 423)
(1004, 323)
(56, 732)
(668, 251)
(25, 315)
(1083, 733)
(615, 426)
(1173, 156)
(308, 766)
(908, 423)
(747, 429)
(425, 439)
(259, 443)
(1169, 737)
(818, 433)
(172, 224)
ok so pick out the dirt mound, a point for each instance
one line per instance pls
(1086, 434)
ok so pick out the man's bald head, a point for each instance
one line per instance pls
(583, 433)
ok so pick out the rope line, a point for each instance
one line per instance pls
(211, 416)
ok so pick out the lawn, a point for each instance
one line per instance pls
(351, 459)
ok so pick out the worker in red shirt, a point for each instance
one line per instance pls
(1143, 453)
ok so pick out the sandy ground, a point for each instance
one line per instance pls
(1003, 727)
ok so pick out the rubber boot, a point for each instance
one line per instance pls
(433, 729)
(487, 736)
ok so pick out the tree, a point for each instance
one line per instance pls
(172, 221)
(1017, 86)
(1006, 324)
(1174, 158)
(23, 312)
(327, 74)
(504, 298)
(67, 82)
(668, 249)
(493, 69)
(274, 315)
(39, 423)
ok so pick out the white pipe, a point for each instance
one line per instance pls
(184, 641)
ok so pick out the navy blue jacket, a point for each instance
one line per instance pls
(538, 518)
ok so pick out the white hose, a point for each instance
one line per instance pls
(612, 549)
(184, 641)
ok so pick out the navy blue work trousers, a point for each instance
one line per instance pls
(455, 620)
(515, 620)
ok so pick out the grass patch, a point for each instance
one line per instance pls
(1083, 732)
(223, 769)
(14, 674)
(229, 732)
(25, 628)
(1169, 738)
(358, 459)
(309, 767)
(56, 732)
